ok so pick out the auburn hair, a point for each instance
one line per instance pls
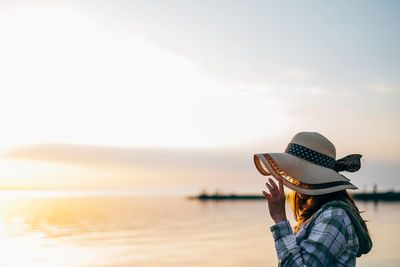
(304, 206)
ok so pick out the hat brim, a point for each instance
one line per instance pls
(301, 175)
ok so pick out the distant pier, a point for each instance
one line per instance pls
(373, 196)
(217, 196)
(378, 196)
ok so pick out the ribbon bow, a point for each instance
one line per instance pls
(350, 163)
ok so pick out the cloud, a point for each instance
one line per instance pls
(103, 156)
(294, 74)
(381, 87)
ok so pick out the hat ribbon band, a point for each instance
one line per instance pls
(310, 155)
(350, 163)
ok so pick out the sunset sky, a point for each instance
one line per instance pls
(172, 95)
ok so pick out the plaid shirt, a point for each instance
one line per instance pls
(331, 242)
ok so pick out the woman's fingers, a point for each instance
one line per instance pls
(281, 190)
(273, 185)
(274, 192)
(267, 196)
(273, 188)
(269, 187)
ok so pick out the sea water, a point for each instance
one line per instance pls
(79, 229)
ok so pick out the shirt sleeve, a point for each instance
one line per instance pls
(323, 246)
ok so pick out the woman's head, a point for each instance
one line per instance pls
(304, 206)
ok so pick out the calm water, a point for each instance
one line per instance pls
(77, 230)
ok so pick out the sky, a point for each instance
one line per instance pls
(170, 95)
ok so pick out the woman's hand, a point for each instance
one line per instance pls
(276, 200)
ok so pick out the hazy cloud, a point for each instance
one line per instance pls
(117, 157)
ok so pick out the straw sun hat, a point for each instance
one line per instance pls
(308, 165)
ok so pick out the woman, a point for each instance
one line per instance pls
(330, 230)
